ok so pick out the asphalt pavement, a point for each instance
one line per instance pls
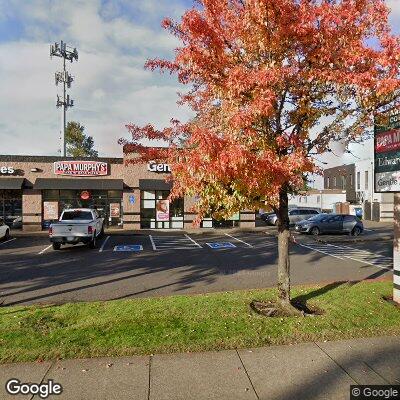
(154, 263)
(318, 371)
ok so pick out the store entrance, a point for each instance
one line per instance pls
(11, 208)
(108, 203)
(157, 212)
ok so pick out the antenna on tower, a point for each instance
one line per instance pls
(66, 53)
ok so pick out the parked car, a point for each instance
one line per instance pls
(79, 225)
(17, 223)
(4, 230)
(331, 223)
(264, 216)
(295, 215)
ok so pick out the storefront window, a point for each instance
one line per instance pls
(101, 200)
(11, 207)
(172, 213)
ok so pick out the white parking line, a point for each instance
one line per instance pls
(192, 240)
(104, 243)
(239, 240)
(319, 251)
(152, 242)
(48, 247)
(350, 253)
(8, 241)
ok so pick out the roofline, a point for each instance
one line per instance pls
(50, 159)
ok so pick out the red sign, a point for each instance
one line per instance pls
(81, 168)
(388, 141)
(85, 195)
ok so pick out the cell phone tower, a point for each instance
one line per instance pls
(66, 53)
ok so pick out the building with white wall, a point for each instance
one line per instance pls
(376, 206)
(323, 200)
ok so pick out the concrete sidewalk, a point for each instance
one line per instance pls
(305, 371)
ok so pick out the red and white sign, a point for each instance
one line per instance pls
(81, 168)
(115, 210)
(388, 141)
(85, 195)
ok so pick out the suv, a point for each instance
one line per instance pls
(295, 215)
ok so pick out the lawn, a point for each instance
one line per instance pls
(191, 323)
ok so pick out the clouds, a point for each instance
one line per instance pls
(111, 87)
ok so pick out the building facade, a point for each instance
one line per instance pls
(35, 189)
(341, 177)
(322, 200)
(376, 206)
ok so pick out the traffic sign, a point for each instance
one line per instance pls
(221, 245)
(129, 247)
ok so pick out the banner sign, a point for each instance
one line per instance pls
(115, 210)
(387, 152)
(81, 168)
(162, 210)
(50, 210)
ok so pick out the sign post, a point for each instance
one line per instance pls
(387, 178)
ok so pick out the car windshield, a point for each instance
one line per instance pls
(77, 216)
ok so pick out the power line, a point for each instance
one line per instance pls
(66, 53)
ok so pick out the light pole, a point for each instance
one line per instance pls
(66, 53)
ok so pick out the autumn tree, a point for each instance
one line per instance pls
(273, 83)
(78, 143)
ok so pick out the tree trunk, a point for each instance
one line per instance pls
(283, 249)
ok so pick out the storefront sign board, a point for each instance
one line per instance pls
(6, 170)
(154, 167)
(387, 152)
(81, 168)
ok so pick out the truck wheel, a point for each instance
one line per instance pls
(56, 246)
(93, 242)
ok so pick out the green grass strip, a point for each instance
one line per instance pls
(191, 323)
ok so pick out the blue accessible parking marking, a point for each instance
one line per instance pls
(129, 247)
(221, 245)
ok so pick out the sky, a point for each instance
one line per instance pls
(114, 39)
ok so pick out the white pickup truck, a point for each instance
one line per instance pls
(78, 225)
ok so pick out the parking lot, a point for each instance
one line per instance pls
(165, 263)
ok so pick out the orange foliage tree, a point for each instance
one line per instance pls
(272, 84)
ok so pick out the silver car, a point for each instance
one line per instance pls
(295, 215)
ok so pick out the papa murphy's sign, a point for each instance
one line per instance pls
(387, 152)
(81, 168)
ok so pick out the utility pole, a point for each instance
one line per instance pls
(66, 53)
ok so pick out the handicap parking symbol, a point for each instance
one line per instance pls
(129, 247)
(221, 245)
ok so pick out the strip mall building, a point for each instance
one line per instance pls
(35, 189)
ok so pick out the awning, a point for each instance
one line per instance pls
(154, 184)
(78, 184)
(11, 183)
